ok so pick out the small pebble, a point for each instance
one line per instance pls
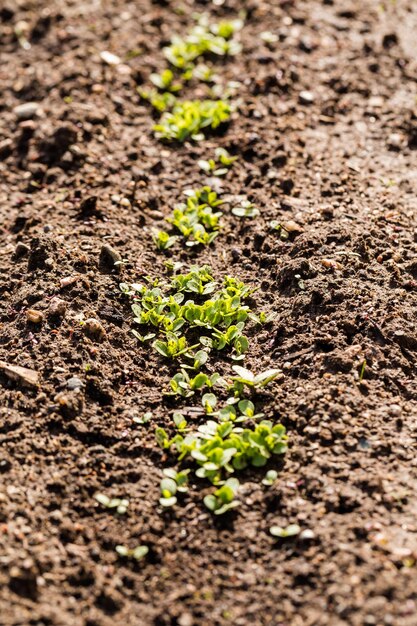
(74, 383)
(110, 58)
(21, 250)
(26, 111)
(57, 308)
(94, 330)
(109, 257)
(306, 97)
(34, 317)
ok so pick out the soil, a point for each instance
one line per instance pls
(340, 162)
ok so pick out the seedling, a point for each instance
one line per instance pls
(203, 39)
(112, 503)
(212, 165)
(183, 385)
(165, 81)
(160, 101)
(282, 533)
(270, 477)
(172, 483)
(221, 316)
(173, 347)
(189, 118)
(135, 553)
(222, 448)
(246, 378)
(246, 209)
(144, 419)
(209, 402)
(180, 421)
(163, 240)
(223, 499)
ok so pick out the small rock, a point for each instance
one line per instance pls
(70, 404)
(27, 110)
(331, 264)
(306, 97)
(395, 142)
(22, 375)
(94, 330)
(57, 308)
(292, 227)
(21, 250)
(108, 258)
(74, 383)
(110, 58)
(68, 280)
(34, 317)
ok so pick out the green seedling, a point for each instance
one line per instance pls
(173, 347)
(246, 378)
(209, 402)
(163, 240)
(195, 219)
(137, 553)
(223, 499)
(246, 209)
(180, 421)
(173, 482)
(222, 448)
(144, 419)
(218, 313)
(143, 338)
(270, 477)
(165, 81)
(203, 39)
(212, 165)
(119, 504)
(183, 385)
(161, 102)
(282, 533)
(198, 280)
(190, 118)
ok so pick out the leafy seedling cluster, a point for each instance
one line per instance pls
(217, 313)
(197, 219)
(188, 119)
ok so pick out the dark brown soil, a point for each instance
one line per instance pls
(343, 287)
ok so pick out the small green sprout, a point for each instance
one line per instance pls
(173, 347)
(189, 118)
(223, 499)
(209, 402)
(203, 39)
(165, 81)
(246, 209)
(159, 101)
(180, 421)
(212, 165)
(172, 483)
(137, 553)
(144, 419)
(221, 448)
(254, 381)
(120, 505)
(195, 219)
(183, 385)
(270, 477)
(282, 533)
(162, 239)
